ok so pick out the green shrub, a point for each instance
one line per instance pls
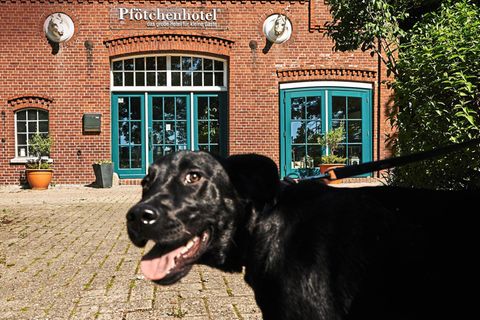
(437, 95)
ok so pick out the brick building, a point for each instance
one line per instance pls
(170, 75)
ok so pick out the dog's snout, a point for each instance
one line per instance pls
(143, 213)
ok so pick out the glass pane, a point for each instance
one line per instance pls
(128, 64)
(22, 115)
(197, 78)
(124, 157)
(150, 78)
(218, 65)
(170, 132)
(118, 65)
(128, 78)
(202, 108)
(297, 132)
(42, 115)
(219, 78)
(43, 126)
(175, 61)
(21, 126)
(135, 132)
(123, 133)
(204, 147)
(139, 79)
(197, 64)
(168, 149)
(338, 107)
(337, 123)
(315, 152)
(181, 108)
(314, 131)
(157, 152)
(135, 110)
(208, 79)
(157, 112)
(214, 110)
(175, 78)
(32, 127)
(207, 64)
(215, 149)
(161, 63)
(203, 132)
(21, 139)
(181, 132)
(140, 64)
(157, 132)
(355, 154)
(22, 151)
(341, 151)
(136, 157)
(118, 78)
(298, 157)
(214, 132)
(297, 108)
(186, 79)
(123, 108)
(169, 106)
(187, 63)
(313, 107)
(151, 63)
(354, 131)
(354, 108)
(162, 79)
(32, 114)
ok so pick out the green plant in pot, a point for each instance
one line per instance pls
(103, 170)
(332, 140)
(39, 170)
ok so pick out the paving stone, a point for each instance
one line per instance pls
(65, 254)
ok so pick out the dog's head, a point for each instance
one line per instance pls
(190, 209)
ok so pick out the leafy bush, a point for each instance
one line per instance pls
(39, 146)
(437, 94)
(332, 140)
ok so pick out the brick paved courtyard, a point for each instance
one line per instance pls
(64, 254)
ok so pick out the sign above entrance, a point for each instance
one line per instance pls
(167, 18)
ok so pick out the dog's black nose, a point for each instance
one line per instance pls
(143, 213)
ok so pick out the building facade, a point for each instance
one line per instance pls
(159, 76)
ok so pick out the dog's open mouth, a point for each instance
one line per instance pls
(169, 267)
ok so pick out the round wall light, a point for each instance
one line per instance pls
(277, 28)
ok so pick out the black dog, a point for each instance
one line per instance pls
(310, 251)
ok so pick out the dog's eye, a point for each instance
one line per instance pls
(192, 177)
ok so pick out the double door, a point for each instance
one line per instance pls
(147, 126)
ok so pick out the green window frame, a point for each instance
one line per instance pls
(300, 153)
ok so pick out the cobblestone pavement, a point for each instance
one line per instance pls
(64, 254)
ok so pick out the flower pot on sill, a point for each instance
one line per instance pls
(103, 174)
(329, 166)
(39, 179)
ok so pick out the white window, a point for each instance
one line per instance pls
(169, 71)
(28, 122)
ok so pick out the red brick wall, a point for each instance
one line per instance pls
(76, 80)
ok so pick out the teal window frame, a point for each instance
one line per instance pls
(326, 93)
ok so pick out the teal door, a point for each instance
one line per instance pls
(306, 114)
(148, 126)
(128, 135)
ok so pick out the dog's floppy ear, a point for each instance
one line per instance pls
(255, 177)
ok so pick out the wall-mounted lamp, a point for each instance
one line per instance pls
(58, 27)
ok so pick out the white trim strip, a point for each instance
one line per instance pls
(311, 84)
(192, 122)
(168, 89)
(147, 134)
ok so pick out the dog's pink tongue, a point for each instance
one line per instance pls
(158, 268)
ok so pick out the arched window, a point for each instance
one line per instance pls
(168, 71)
(28, 122)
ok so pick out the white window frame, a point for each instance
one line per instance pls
(169, 87)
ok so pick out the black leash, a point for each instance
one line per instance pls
(354, 170)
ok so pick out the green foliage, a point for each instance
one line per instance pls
(39, 146)
(438, 96)
(332, 140)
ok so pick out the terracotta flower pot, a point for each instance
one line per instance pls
(39, 179)
(329, 166)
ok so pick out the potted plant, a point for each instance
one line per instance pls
(103, 170)
(39, 170)
(332, 140)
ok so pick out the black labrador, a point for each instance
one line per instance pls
(310, 251)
